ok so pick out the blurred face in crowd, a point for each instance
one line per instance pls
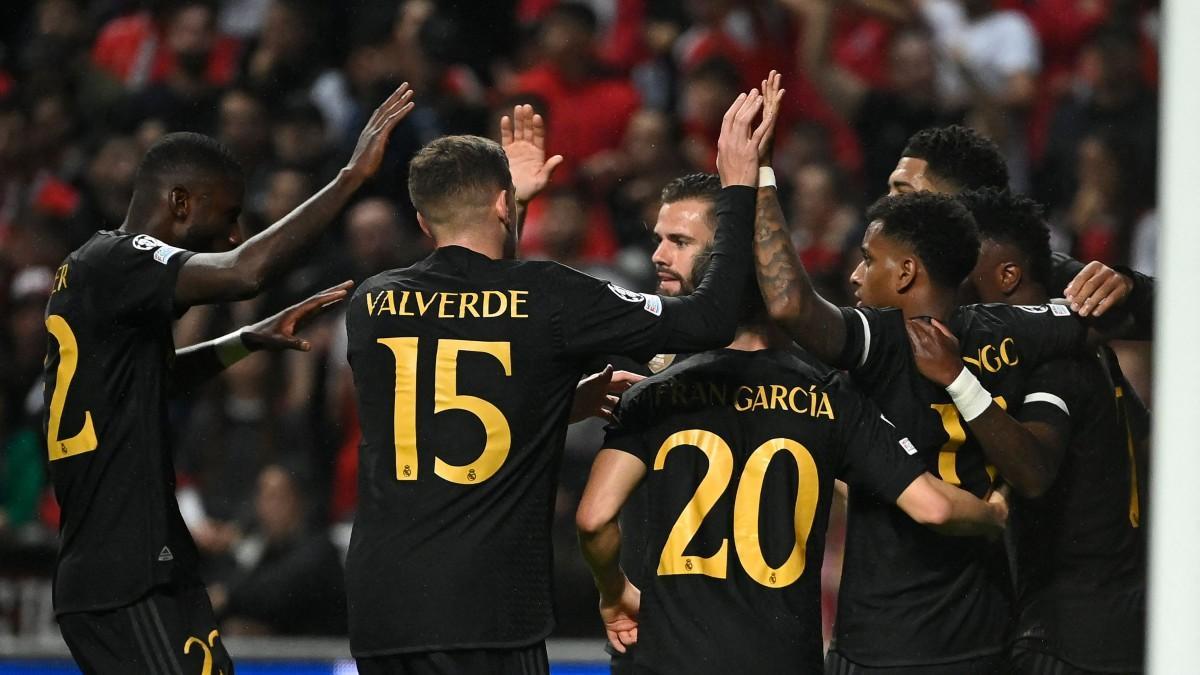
(708, 11)
(190, 36)
(110, 175)
(564, 227)
(815, 196)
(277, 504)
(705, 100)
(911, 66)
(683, 231)
(286, 190)
(242, 124)
(878, 279)
(647, 139)
(373, 232)
(284, 32)
(565, 41)
(1098, 168)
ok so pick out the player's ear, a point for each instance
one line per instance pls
(502, 207)
(179, 200)
(906, 273)
(1008, 276)
(424, 225)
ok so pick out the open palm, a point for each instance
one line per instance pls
(523, 137)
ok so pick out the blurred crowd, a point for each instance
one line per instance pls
(633, 92)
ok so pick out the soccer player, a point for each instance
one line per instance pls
(954, 158)
(464, 365)
(743, 443)
(1080, 568)
(126, 589)
(914, 601)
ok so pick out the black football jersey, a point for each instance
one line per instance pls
(741, 451)
(911, 596)
(107, 434)
(465, 369)
(1080, 547)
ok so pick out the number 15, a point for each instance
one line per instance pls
(446, 397)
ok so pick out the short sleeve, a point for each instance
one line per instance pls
(875, 456)
(875, 341)
(630, 418)
(600, 318)
(1052, 391)
(1044, 333)
(138, 275)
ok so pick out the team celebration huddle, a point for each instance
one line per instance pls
(968, 408)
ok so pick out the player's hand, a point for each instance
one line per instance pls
(523, 137)
(935, 349)
(997, 501)
(620, 617)
(372, 142)
(772, 101)
(1096, 289)
(596, 395)
(279, 332)
(737, 148)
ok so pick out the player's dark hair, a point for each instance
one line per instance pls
(960, 156)
(704, 186)
(938, 228)
(185, 152)
(456, 171)
(1002, 216)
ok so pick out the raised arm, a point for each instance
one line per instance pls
(195, 364)
(523, 137)
(614, 476)
(792, 302)
(707, 318)
(1027, 454)
(244, 271)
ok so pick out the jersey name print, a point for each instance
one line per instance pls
(741, 451)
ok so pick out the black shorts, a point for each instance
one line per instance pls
(836, 664)
(1028, 659)
(530, 660)
(171, 631)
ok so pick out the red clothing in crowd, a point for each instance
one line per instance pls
(133, 50)
(582, 118)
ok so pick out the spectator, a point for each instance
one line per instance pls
(883, 117)
(825, 228)
(290, 574)
(1110, 95)
(587, 109)
(135, 51)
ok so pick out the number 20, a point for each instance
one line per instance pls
(446, 397)
(746, 506)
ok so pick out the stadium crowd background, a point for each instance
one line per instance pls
(633, 92)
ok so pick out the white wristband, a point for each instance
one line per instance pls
(968, 395)
(230, 348)
(766, 177)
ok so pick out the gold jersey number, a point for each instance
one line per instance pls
(68, 360)
(446, 397)
(746, 506)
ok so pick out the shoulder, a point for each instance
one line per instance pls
(115, 248)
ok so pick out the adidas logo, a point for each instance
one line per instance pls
(165, 555)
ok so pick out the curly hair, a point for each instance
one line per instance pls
(959, 156)
(1002, 216)
(938, 228)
